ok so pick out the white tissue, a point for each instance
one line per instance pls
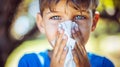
(67, 26)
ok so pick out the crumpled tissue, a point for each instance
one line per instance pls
(67, 26)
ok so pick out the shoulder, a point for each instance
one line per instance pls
(28, 60)
(33, 60)
(99, 61)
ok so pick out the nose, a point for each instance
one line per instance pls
(66, 18)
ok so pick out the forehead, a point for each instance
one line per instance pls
(63, 6)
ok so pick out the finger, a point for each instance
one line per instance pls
(76, 48)
(75, 36)
(81, 50)
(79, 39)
(75, 58)
(62, 46)
(58, 41)
(79, 53)
(82, 55)
(78, 35)
(63, 56)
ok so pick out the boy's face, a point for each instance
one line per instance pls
(48, 23)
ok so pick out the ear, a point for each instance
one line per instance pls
(39, 23)
(95, 20)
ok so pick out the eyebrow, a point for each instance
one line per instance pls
(51, 12)
(86, 11)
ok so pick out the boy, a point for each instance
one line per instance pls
(55, 12)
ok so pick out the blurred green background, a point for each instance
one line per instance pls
(104, 41)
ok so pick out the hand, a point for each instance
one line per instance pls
(79, 52)
(59, 53)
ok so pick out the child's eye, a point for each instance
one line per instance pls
(80, 17)
(55, 18)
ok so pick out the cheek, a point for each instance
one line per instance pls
(51, 30)
(85, 31)
(51, 34)
(86, 36)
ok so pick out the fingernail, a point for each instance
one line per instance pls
(60, 30)
(64, 37)
(66, 48)
(76, 28)
(73, 31)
